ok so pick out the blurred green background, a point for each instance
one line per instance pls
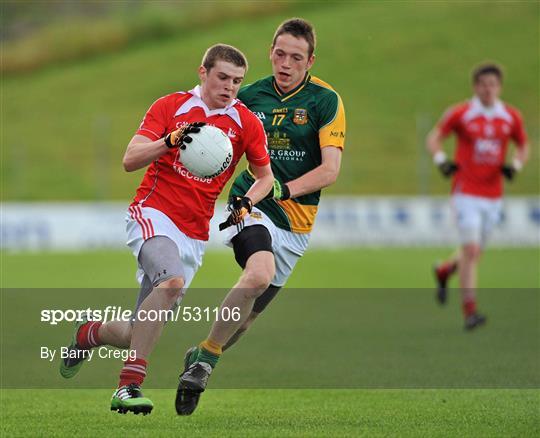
(79, 76)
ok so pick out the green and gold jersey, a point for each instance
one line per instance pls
(297, 124)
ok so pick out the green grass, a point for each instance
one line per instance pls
(356, 341)
(279, 413)
(357, 268)
(65, 128)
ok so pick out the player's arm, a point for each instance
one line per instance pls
(434, 144)
(322, 176)
(241, 206)
(264, 179)
(520, 158)
(141, 150)
(521, 154)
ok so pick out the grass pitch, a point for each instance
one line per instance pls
(278, 351)
(281, 413)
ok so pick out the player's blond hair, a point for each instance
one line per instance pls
(223, 52)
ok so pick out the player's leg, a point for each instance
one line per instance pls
(471, 222)
(288, 247)
(90, 334)
(258, 306)
(253, 251)
(159, 258)
(443, 271)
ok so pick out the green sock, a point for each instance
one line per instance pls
(208, 357)
(193, 356)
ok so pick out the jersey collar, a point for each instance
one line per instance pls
(196, 101)
(284, 96)
(497, 110)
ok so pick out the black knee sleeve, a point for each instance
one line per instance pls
(263, 300)
(250, 240)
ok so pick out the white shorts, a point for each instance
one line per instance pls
(142, 223)
(476, 217)
(288, 247)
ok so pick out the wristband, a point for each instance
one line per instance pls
(168, 141)
(439, 158)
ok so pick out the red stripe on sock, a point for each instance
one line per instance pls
(88, 335)
(469, 307)
(134, 371)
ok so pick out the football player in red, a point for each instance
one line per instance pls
(168, 220)
(483, 127)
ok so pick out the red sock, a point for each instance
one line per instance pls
(88, 336)
(446, 269)
(469, 307)
(134, 371)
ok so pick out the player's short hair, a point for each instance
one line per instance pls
(487, 69)
(298, 28)
(223, 52)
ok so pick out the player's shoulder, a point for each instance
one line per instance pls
(513, 111)
(247, 116)
(320, 87)
(457, 109)
(172, 99)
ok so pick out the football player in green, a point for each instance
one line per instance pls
(304, 120)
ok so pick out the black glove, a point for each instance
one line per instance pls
(509, 171)
(279, 191)
(239, 208)
(448, 168)
(179, 137)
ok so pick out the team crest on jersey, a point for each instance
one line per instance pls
(300, 116)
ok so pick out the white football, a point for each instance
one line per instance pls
(209, 154)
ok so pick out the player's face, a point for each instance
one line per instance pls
(290, 61)
(220, 84)
(488, 89)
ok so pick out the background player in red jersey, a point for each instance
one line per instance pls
(483, 126)
(168, 221)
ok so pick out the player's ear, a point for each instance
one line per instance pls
(270, 52)
(202, 73)
(310, 62)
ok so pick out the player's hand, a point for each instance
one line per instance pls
(448, 168)
(508, 171)
(180, 137)
(239, 208)
(279, 191)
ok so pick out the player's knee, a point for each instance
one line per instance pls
(257, 281)
(171, 288)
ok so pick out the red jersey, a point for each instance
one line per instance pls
(482, 140)
(168, 186)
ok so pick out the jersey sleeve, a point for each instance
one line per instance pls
(519, 135)
(332, 121)
(256, 149)
(449, 121)
(154, 124)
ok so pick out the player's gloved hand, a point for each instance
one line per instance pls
(239, 208)
(510, 170)
(180, 137)
(446, 166)
(279, 191)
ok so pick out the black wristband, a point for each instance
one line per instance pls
(168, 141)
